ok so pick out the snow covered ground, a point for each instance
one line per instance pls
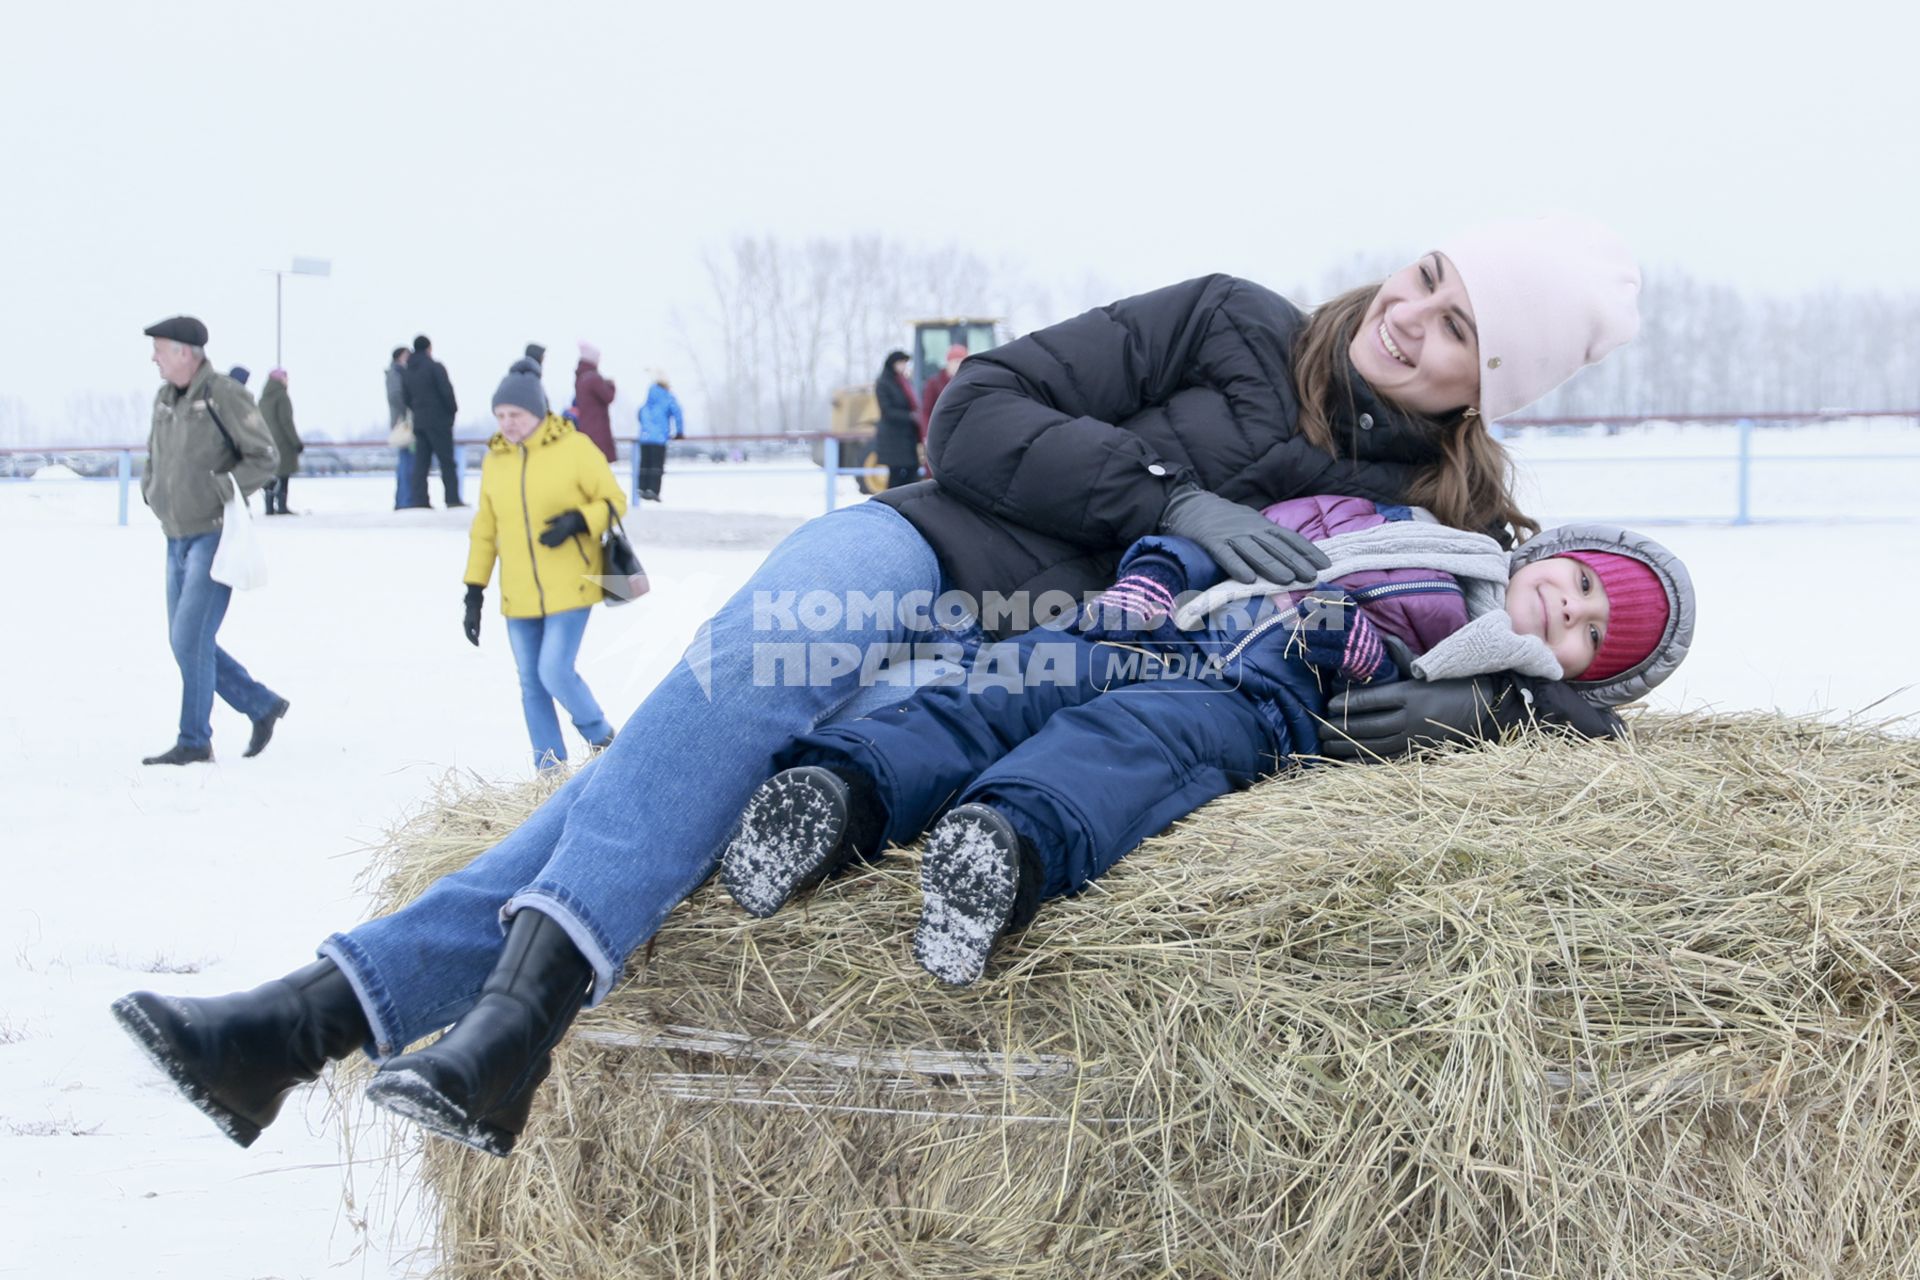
(207, 879)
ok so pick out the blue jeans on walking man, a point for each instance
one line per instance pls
(402, 478)
(196, 605)
(643, 823)
(544, 649)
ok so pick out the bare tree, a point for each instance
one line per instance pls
(107, 418)
(790, 321)
(16, 423)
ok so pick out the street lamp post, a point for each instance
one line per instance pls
(322, 267)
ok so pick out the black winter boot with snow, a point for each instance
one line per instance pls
(475, 1084)
(236, 1057)
(800, 827)
(978, 881)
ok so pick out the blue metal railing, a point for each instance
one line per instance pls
(464, 453)
(1743, 457)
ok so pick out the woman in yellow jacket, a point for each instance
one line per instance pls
(546, 497)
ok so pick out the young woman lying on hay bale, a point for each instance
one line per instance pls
(1183, 411)
(1061, 750)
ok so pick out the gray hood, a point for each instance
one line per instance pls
(1636, 680)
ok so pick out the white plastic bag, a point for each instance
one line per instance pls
(239, 561)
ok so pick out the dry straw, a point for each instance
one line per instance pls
(1648, 1008)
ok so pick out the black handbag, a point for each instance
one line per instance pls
(620, 573)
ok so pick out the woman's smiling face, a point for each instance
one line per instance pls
(1417, 345)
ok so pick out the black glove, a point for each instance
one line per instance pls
(562, 527)
(1246, 545)
(1369, 722)
(1387, 720)
(472, 625)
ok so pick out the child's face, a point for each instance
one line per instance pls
(1561, 601)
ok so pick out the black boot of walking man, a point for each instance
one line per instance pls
(476, 1083)
(237, 1057)
(263, 728)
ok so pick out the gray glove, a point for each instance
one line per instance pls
(1246, 545)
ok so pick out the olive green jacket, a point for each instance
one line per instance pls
(185, 450)
(277, 408)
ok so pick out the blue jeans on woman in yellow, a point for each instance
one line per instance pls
(544, 649)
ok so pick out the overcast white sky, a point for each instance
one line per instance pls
(494, 173)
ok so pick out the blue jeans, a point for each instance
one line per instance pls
(544, 649)
(642, 824)
(196, 605)
(402, 477)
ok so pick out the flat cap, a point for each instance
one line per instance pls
(180, 329)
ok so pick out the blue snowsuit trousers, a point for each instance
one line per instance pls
(1087, 747)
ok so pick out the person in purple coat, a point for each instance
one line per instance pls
(593, 394)
(1056, 753)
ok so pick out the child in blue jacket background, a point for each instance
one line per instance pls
(660, 421)
(1061, 750)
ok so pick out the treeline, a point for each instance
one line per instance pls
(784, 323)
(1711, 348)
(787, 322)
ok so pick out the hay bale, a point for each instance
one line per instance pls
(1545, 1009)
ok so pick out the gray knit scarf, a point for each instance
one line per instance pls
(1486, 644)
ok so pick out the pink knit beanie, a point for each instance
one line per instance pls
(1550, 296)
(591, 353)
(1636, 611)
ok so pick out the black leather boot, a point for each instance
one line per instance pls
(475, 1084)
(237, 1057)
(178, 754)
(800, 827)
(263, 728)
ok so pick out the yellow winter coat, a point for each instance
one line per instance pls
(522, 486)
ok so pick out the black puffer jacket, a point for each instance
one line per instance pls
(429, 393)
(1053, 453)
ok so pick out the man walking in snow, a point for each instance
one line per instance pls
(207, 437)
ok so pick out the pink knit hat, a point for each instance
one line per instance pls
(1636, 611)
(589, 352)
(957, 351)
(1550, 296)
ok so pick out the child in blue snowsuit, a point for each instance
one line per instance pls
(1064, 748)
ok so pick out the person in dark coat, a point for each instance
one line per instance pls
(1183, 411)
(593, 394)
(930, 394)
(896, 439)
(430, 399)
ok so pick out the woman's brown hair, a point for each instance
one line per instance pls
(1471, 487)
